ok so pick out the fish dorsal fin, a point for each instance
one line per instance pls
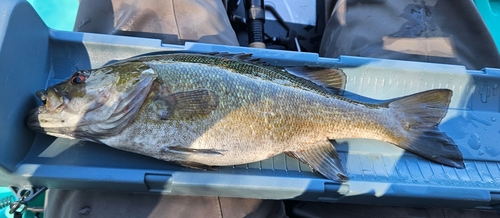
(332, 79)
(245, 57)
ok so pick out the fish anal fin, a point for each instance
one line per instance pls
(419, 115)
(323, 158)
(331, 79)
(185, 105)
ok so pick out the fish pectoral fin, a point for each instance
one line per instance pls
(194, 165)
(323, 158)
(333, 80)
(187, 105)
(191, 151)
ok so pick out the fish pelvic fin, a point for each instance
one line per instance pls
(420, 115)
(194, 165)
(324, 159)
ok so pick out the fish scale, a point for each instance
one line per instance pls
(202, 110)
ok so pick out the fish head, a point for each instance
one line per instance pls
(93, 103)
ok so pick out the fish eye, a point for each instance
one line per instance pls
(78, 78)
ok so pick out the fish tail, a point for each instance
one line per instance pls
(420, 115)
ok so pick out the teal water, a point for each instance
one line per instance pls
(495, 7)
(57, 14)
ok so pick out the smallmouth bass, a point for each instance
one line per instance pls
(202, 110)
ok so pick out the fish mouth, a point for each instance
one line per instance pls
(53, 104)
(44, 121)
(42, 95)
(32, 121)
(52, 99)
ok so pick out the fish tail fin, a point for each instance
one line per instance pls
(420, 115)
